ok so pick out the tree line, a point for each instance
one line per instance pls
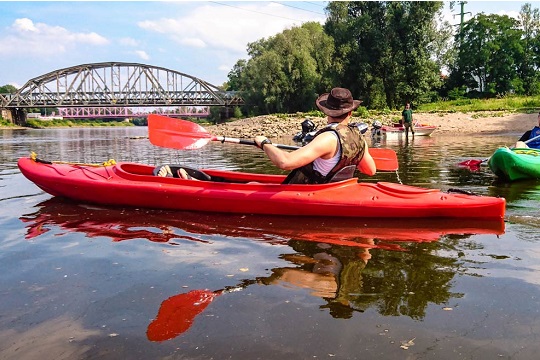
(389, 53)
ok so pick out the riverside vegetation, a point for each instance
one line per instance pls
(501, 115)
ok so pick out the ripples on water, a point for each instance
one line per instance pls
(93, 282)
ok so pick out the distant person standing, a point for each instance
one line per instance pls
(407, 120)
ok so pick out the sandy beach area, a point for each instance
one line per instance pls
(447, 124)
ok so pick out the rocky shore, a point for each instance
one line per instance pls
(447, 124)
(484, 123)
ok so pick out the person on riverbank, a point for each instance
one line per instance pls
(407, 120)
(332, 148)
(530, 134)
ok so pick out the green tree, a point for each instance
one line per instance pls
(234, 82)
(284, 72)
(386, 49)
(8, 89)
(529, 62)
(488, 52)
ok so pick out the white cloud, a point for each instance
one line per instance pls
(226, 68)
(193, 42)
(228, 28)
(142, 54)
(43, 40)
(24, 25)
(129, 42)
(512, 14)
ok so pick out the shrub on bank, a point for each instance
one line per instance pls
(40, 124)
(526, 104)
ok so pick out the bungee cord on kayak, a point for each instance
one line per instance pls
(34, 157)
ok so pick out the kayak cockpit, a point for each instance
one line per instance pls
(135, 171)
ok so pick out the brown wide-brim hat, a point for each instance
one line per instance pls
(337, 102)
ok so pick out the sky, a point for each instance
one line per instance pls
(199, 38)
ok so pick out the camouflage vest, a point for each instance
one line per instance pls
(352, 144)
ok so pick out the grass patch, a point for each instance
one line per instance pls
(6, 123)
(525, 104)
(41, 124)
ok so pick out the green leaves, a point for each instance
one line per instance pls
(386, 47)
(389, 53)
(285, 72)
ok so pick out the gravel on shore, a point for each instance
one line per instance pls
(447, 124)
(484, 123)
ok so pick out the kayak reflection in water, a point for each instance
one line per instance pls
(318, 268)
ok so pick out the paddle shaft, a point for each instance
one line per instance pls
(224, 139)
(534, 138)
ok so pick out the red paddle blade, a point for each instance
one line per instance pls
(471, 163)
(176, 133)
(385, 159)
(176, 314)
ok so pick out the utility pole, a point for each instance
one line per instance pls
(462, 15)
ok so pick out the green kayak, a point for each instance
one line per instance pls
(515, 164)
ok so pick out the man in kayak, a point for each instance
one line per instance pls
(332, 148)
(529, 134)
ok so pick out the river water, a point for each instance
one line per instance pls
(81, 281)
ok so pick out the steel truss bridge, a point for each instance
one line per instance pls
(114, 84)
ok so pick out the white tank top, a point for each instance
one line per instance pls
(324, 166)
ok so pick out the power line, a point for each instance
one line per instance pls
(255, 11)
(316, 4)
(294, 7)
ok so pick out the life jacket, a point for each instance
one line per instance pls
(376, 132)
(352, 144)
(536, 143)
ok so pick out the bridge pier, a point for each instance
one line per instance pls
(6, 114)
(18, 116)
(15, 116)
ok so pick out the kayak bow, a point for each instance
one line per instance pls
(515, 164)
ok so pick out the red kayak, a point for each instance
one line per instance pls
(130, 184)
(397, 130)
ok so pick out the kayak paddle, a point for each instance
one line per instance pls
(177, 313)
(475, 164)
(186, 135)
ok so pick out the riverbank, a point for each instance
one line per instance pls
(488, 123)
(447, 123)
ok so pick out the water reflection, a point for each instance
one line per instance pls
(522, 199)
(167, 226)
(394, 283)
(388, 265)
